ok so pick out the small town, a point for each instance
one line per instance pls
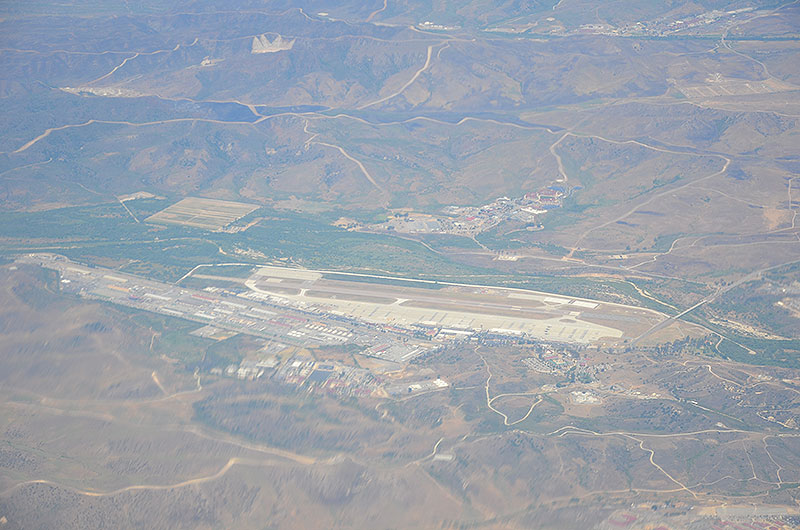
(469, 221)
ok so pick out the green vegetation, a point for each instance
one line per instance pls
(105, 234)
(106, 231)
(80, 223)
(496, 239)
(662, 242)
(570, 213)
(228, 351)
(737, 347)
(552, 249)
(172, 338)
(449, 241)
(784, 353)
(384, 281)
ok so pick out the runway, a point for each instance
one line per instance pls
(458, 307)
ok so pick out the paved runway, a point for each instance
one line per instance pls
(459, 307)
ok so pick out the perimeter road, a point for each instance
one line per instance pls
(753, 275)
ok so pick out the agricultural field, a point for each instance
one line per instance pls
(208, 214)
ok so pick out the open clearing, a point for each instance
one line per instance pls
(209, 214)
(735, 87)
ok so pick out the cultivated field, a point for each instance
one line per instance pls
(210, 214)
(732, 87)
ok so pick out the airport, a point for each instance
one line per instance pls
(457, 309)
(251, 312)
(387, 321)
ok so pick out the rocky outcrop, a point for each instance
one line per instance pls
(262, 44)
